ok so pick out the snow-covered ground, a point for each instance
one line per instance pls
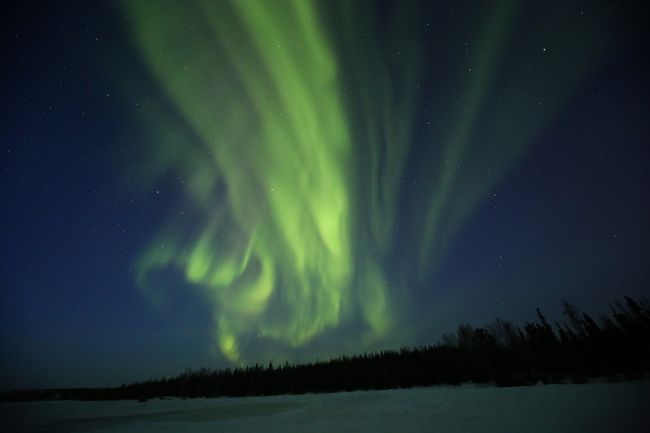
(618, 407)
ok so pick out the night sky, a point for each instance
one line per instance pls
(211, 184)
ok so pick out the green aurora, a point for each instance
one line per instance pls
(317, 196)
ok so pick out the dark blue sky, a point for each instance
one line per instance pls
(569, 220)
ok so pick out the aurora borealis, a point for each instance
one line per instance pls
(294, 183)
(302, 179)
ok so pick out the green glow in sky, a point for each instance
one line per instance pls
(302, 125)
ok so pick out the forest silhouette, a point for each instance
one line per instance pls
(577, 349)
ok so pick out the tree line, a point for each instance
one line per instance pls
(616, 346)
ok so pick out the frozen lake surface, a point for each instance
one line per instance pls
(618, 407)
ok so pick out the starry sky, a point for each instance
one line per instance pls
(213, 184)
